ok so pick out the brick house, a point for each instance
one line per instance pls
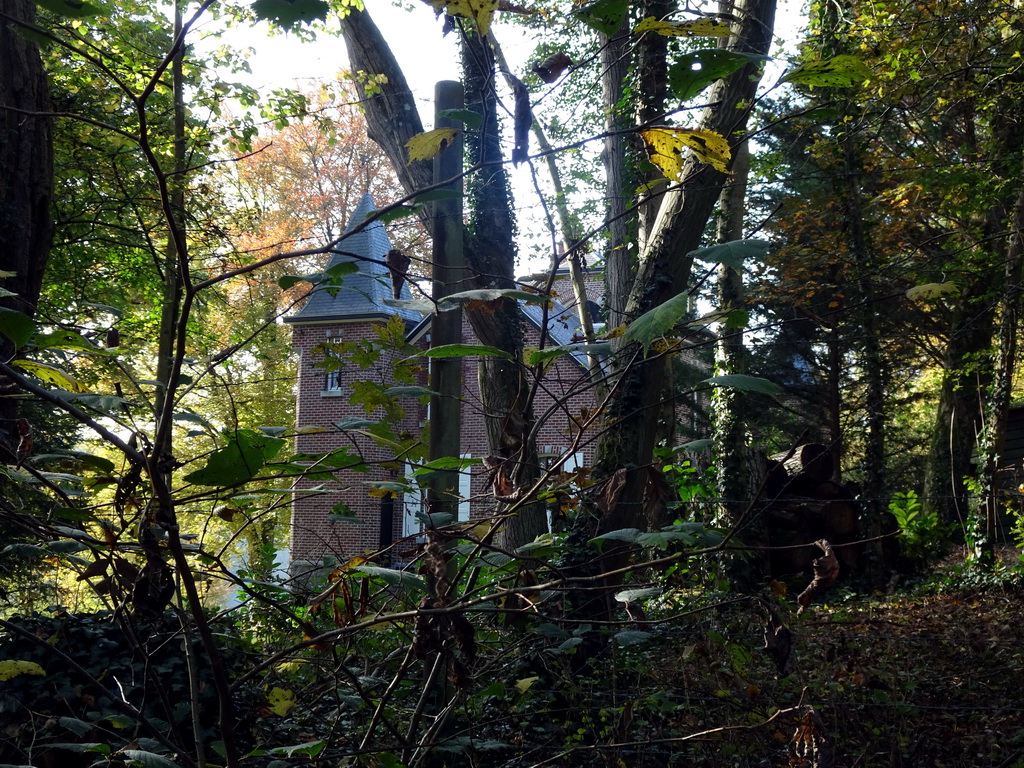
(327, 419)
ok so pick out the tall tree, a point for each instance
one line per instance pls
(662, 271)
(26, 178)
(490, 252)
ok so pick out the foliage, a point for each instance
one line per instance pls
(159, 335)
(922, 536)
(90, 670)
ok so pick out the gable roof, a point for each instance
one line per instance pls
(361, 295)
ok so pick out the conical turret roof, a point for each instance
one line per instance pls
(362, 293)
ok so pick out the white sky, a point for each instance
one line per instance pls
(413, 32)
(427, 56)
(416, 39)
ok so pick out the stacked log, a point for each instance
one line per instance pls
(804, 504)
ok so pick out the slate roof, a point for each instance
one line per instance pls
(362, 294)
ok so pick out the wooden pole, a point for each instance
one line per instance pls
(448, 274)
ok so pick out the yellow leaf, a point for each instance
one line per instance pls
(695, 28)
(930, 291)
(281, 701)
(424, 146)
(524, 684)
(480, 530)
(50, 374)
(9, 669)
(665, 148)
(480, 11)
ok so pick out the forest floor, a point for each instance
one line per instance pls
(934, 681)
(931, 678)
(896, 681)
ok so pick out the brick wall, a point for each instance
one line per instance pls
(559, 406)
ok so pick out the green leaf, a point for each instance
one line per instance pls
(71, 513)
(466, 350)
(393, 214)
(446, 462)
(439, 194)
(105, 404)
(490, 294)
(409, 391)
(148, 759)
(604, 15)
(467, 117)
(534, 356)
(631, 595)
(353, 422)
(744, 383)
(433, 520)
(387, 485)
(75, 9)
(106, 308)
(332, 276)
(627, 535)
(658, 322)
(194, 418)
(423, 306)
(68, 340)
(694, 72)
(838, 72)
(76, 726)
(16, 326)
(631, 637)
(66, 547)
(287, 281)
(101, 463)
(246, 453)
(309, 749)
(340, 270)
(339, 517)
(695, 446)
(733, 253)
(395, 578)
(23, 550)
(662, 539)
(288, 13)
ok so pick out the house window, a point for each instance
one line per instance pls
(416, 501)
(465, 491)
(549, 455)
(596, 315)
(332, 379)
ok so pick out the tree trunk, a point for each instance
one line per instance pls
(982, 526)
(26, 182)
(614, 67)
(505, 390)
(734, 486)
(664, 272)
(391, 115)
(872, 364)
(958, 415)
(392, 120)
